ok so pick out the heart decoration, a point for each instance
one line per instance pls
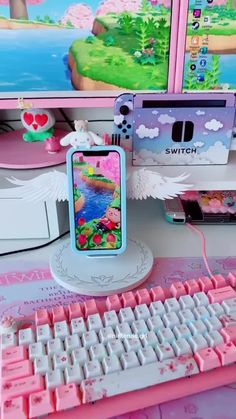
(41, 119)
(28, 118)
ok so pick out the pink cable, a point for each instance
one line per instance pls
(204, 252)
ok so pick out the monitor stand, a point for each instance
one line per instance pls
(101, 276)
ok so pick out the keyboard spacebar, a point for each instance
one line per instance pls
(137, 378)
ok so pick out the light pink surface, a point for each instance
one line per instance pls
(216, 404)
(15, 153)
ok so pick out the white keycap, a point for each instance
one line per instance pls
(44, 333)
(89, 338)
(214, 338)
(126, 315)
(139, 327)
(42, 364)
(157, 308)
(73, 374)
(26, 336)
(186, 316)
(132, 344)
(129, 360)
(165, 335)
(61, 360)
(171, 304)
(8, 339)
(144, 376)
(54, 379)
(228, 319)
(78, 326)
(54, 346)
(105, 334)
(170, 319)
(229, 305)
(186, 301)
(198, 327)
(123, 330)
(201, 313)
(61, 329)
(215, 309)
(201, 299)
(94, 322)
(181, 347)
(155, 323)
(72, 342)
(141, 312)
(97, 351)
(79, 356)
(164, 351)
(110, 318)
(150, 339)
(36, 349)
(115, 347)
(147, 355)
(213, 323)
(92, 369)
(181, 331)
(111, 364)
(197, 342)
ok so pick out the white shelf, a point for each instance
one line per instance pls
(207, 177)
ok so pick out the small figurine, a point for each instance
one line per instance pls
(8, 324)
(39, 124)
(52, 145)
(81, 137)
(112, 218)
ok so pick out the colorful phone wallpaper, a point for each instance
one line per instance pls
(65, 45)
(97, 201)
(210, 56)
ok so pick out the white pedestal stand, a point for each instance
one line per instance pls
(100, 276)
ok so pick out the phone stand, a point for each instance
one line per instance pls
(100, 276)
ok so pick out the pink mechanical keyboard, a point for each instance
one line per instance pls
(98, 359)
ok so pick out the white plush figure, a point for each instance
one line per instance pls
(81, 137)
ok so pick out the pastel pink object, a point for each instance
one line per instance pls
(218, 295)
(41, 403)
(205, 283)
(157, 293)
(192, 286)
(74, 311)
(58, 314)
(16, 408)
(128, 299)
(143, 296)
(207, 359)
(177, 289)
(67, 396)
(42, 317)
(113, 302)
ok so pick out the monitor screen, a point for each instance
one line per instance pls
(52, 48)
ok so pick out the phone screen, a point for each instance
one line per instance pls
(97, 200)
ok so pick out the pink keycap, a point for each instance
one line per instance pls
(113, 303)
(219, 281)
(143, 296)
(17, 370)
(67, 397)
(192, 286)
(75, 311)
(232, 279)
(177, 289)
(15, 409)
(128, 299)
(22, 387)
(13, 354)
(58, 314)
(157, 293)
(205, 283)
(41, 403)
(207, 359)
(220, 294)
(226, 353)
(229, 334)
(42, 317)
(90, 307)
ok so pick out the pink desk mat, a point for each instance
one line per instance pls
(30, 287)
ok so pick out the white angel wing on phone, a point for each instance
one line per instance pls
(144, 183)
(51, 185)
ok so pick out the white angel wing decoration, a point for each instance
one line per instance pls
(144, 183)
(52, 185)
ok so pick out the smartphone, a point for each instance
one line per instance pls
(97, 200)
